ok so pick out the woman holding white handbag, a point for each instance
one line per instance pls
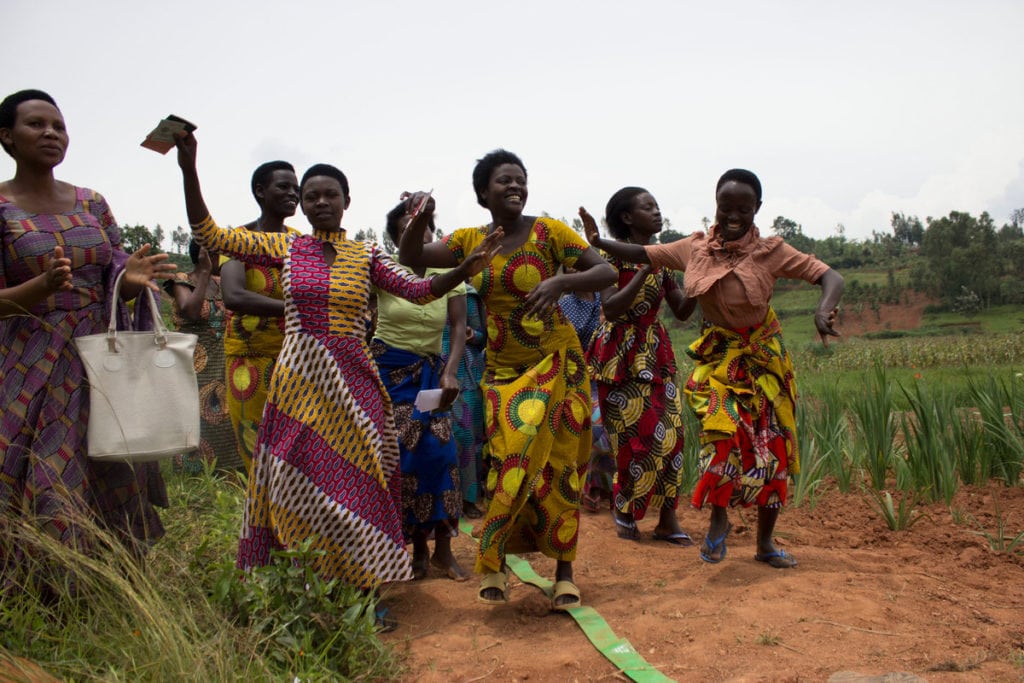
(60, 256)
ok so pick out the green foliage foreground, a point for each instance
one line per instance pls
(183, 614)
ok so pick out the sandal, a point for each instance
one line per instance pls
(562, 589)
(383, 621)
(626, 529)
(710, 546)
(497, 580)
(779, 559)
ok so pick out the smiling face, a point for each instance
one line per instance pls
(737, 206)
(324, 202)
(644, 217)
(506, 190)
(280, 196)
(38, 136)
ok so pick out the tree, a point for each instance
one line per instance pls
(158, 238)
(366, 235)
(907, 230)
(133, 237)
(793, 233)
(180, 239)
(959, 252)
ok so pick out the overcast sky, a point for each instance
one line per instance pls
(847, 111)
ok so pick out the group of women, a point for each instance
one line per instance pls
(330, 463)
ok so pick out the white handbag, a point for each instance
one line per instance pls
(143, 393)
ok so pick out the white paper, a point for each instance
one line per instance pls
(428, 399)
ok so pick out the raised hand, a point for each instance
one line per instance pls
(141, 268)
(482, 255)
(187, 145)
(590, 228)
(58, 271)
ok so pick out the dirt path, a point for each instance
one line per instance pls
(936, 601)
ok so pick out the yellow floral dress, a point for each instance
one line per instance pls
(536, 401)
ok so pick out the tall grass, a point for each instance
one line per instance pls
(930, 446)
(875, 416)
(1000, 403)
(107, 616)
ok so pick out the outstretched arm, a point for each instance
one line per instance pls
(616, 301)
(825, 317)
(632, 253)
(593, 274)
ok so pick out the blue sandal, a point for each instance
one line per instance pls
(710, 546)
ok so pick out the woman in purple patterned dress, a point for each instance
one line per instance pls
(61, 254)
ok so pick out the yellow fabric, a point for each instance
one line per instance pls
(730, 368)
(536, 401)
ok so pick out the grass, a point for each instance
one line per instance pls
(182, 614)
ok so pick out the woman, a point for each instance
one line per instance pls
(535, 383)
(198, 308)
(742, 387)
(326, 459)
(635, 371)
(254, 326)
(468, 407)
(406, 344)
(61, 255)
(583, 311)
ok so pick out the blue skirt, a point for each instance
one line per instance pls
(431, 496)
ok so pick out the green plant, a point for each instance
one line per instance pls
(873, 410)
(999, 540)
(931, 449)
(898, 517)
(768, 638)
(309, 623)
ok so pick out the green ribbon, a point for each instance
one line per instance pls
(619, 651)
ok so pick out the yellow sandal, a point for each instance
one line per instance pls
(562, 589)
(497, 580)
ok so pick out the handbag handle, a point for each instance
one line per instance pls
(159, 329)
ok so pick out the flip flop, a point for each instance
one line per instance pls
(627, 530)
(497, 580)
(680, 538)
(713, 546)
(383, 621)
(562, 589)
(779, 559)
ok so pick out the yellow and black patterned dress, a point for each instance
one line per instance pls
(536, 401)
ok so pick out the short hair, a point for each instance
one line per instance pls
(9, 108)
(740, 175)
(193, 250)
(325, 170)
(395, 216)
(485, 167)
(620, 203)
(261, 176)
